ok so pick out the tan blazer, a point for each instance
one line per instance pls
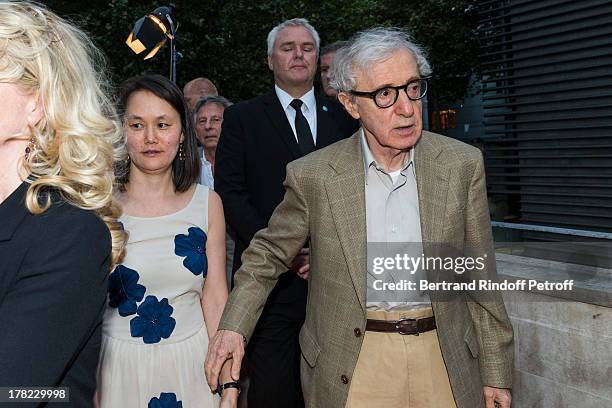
(325, 202)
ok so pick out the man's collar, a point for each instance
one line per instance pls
(202, 155)
(368, 157)
(285, 99)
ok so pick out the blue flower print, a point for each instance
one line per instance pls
(154, 320)
(124, 290)
(193, 248)
(165, 400)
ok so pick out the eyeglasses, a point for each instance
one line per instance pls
(387, 96)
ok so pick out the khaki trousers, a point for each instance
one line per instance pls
(400, 371)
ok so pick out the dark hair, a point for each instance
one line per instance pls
(184, 172)
(210, 99)
(333, 47)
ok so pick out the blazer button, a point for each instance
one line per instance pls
(344, 379)
(357, 332)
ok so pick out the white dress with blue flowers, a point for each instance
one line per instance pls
(154, 338)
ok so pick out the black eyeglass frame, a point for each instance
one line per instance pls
(372, 94)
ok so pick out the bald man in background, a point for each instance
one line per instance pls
(196, 89)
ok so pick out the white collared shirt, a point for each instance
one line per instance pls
(309, 110)
(206, 174)
(393, 225)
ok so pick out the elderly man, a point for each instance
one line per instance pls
(196, 89)
(325, 63)
(258, 138)
(208, 117)
(391, 182)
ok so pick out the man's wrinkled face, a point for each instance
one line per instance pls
(208, 124)
(399, 126)
(326, 62)
(294, 57)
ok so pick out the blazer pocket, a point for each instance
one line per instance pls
(310, 347)
(471, 341)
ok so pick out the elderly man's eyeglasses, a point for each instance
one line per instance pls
(387, 96)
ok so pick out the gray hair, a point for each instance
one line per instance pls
(210, 99)
(370, 47)
(333, 47)
(294, 22)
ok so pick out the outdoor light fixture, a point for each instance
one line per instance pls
(151, 32)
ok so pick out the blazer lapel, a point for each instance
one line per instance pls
(12, 212)
(346, 195)
(432, 185)
(278, 118)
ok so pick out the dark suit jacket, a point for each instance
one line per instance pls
(53, 285)
(255, 146)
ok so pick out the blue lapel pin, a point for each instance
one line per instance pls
(324, 108)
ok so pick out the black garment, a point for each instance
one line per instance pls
(255, 146)
(302, 129)
(53, 285)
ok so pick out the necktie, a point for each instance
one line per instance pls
(302, 129)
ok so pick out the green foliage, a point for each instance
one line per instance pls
(225, 40)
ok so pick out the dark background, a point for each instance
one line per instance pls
(225, 40)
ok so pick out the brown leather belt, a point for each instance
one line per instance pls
(402, 326)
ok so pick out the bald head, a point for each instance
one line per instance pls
(197, 88)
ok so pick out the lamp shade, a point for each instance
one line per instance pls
(151, 31)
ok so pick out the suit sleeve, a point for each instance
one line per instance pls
(56, 302)
(491, 323)
(267, 257)
(231, 178)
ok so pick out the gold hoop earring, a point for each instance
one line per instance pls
(181, 152)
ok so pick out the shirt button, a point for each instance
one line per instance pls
(344, 379)
(357, 332)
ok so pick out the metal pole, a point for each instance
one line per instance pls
(554, 230)
(172, 49)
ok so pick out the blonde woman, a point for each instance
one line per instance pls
(59, 235)
(167, 296)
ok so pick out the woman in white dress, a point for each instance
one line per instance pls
(166, 298)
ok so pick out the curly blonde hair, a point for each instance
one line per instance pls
(79, 137)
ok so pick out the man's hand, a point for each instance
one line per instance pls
(229, 398)
(225, 345)
(497, 397)
(301, 263)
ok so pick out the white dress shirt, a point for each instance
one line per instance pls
(309, 110)
(206, 174)
(393, 227)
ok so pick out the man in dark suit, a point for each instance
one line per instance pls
(258, 139)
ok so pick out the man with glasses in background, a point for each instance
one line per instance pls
(390, 183)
